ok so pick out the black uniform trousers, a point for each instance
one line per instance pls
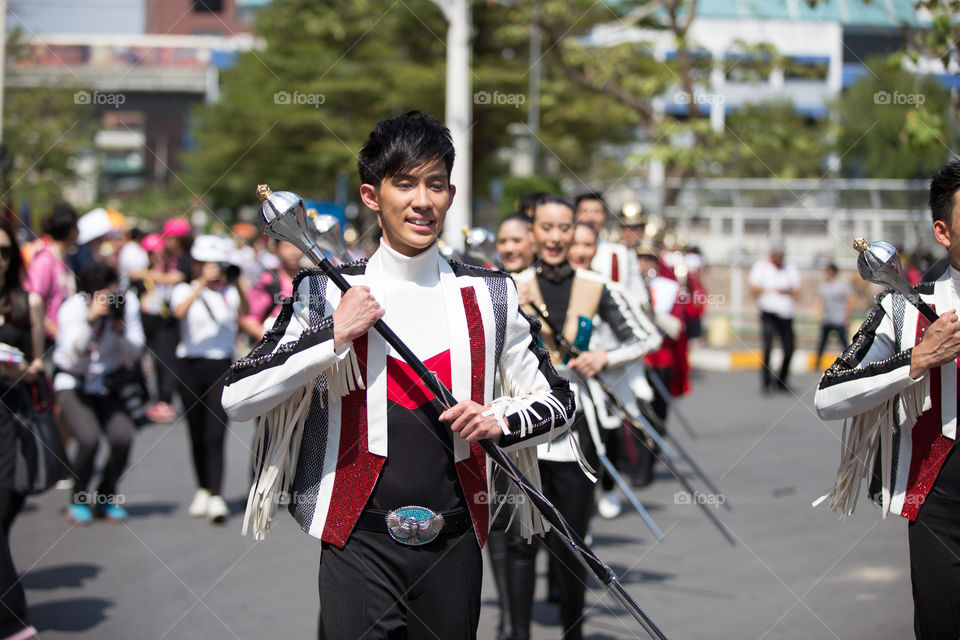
(375, 588)
(935, 557)
(565, 485)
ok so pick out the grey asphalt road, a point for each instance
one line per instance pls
(796, 572)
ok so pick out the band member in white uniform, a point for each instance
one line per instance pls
(393, 484)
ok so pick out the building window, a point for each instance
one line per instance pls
(208, 6)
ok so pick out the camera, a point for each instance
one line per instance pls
(116, 306)
(231, 272)
(128, 387)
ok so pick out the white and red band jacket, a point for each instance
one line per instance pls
(897, 429)
(325, 409)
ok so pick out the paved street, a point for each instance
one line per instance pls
(797, 573)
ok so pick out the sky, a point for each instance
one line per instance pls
(76, 16)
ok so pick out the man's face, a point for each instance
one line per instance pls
(553, 232)
(776, 257)
(411, 206)
(515, 245)
(632, 235)
(947, 232)
(592, 212)
(583, 249)
(649, 266)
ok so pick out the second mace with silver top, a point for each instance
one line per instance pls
(879, 263)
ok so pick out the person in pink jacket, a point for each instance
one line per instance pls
(48, 275)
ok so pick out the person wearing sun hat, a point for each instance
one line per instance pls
(208, 308)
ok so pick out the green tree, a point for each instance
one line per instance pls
(296, 112)
(45, 132)
(773, 140)
(630, 77)
(894, 124)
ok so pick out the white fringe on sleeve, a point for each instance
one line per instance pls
(532, 523)
(862, 436)
(275, 466)
(281, 431)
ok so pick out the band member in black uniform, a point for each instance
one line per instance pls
(567, 299)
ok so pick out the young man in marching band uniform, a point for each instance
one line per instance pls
(393, 484)
(897, 384)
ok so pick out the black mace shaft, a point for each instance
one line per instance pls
(549, 512)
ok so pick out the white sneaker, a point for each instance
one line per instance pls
(609, 505)
(217, 509)
(198, 506)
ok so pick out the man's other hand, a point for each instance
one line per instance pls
(355, 314)
(467, 419)
(940, 345)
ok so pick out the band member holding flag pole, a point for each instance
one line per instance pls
(393, 484)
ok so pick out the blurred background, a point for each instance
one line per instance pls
(716, 131)
(727, 124)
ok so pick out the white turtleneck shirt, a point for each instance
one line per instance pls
(420, 469)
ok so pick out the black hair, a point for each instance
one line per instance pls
(550, 199)
(590, 195)
(14, 303)
(943, 186)
(584, 225)
(832, 268)
(136, 234)
(405, 142)
(516, 216)
(95, 277)
(62, 221)
(529, 201)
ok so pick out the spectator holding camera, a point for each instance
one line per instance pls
(208, 309)
(99, 337)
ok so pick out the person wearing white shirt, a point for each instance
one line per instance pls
(208, 309)
(776, 284)
(99, 335)
(131, 257)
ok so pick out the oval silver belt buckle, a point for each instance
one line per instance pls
(413, 525)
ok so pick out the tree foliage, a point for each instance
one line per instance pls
(296, 112)
(894, 124)
(45, 131)
(764, 140)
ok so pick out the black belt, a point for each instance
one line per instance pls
(455, 521)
